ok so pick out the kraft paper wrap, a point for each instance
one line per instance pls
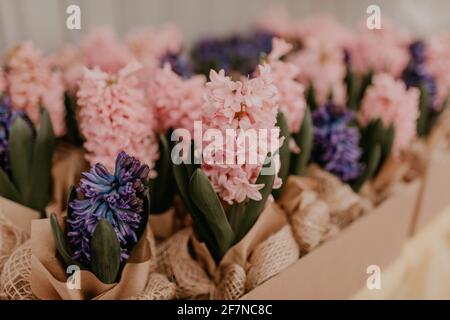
(19, 215)
(48, 277)
(68, 164)
(168, 223)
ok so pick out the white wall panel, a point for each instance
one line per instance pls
(44, 20)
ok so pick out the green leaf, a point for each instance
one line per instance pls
(206, 200)
(73, 134)
(371, 161)
(253, 207)
(311, 97)
(42, 164)
(105, 251)
(72, 195)
(60, 242)
(424, 108)
(21, 153)
(7, 188)
(182, 179)
(304, 140)
(352, 84)
(387, 142)
(161, 188)
(285, 154)
(365, 83)
(235, 214)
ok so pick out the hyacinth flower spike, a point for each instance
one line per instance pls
(416, 75)
(25, 176)
(107, 216)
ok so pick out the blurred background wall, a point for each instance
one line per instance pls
(44, 21)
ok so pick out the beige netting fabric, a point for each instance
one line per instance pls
(345, 205)
(272, 256)
(158, 288)
(176, 262)
(15, 277)
(309, 216)
(232, 284)
(10, 238)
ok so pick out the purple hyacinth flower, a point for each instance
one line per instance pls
(336, 142)
(117, 197)
(416, 74)
(180, 63)
(233, 54)
(7, 117)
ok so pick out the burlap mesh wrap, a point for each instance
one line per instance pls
(10, 238)
(15, 277)
(272, 256)
(175, 261)
(309, 216)
(345, 205)
(232, 284)
(230, 281)
(319, 205)
(158, 288)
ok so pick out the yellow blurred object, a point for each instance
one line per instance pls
(423, 269)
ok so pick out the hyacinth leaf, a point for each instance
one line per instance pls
(182, 178)
(285, 154)
(304, 140)
(20, 152)
(7, 188)
(71, 195)
(161, 187)
(254, 208)
(73, 134)
(424, 103)
(311, 97)
(206, 200)
(352, 84)
(372, 135)
(365, 83)
(235, 213)
(42, 163)
(105, 250)
(387, 143)
(204, 234)
(371, 160)
(434, 116)
(60, 242)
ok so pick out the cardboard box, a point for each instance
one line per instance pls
(18, 214)
(337, 269)
(435, 191)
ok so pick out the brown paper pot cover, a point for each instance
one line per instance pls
(18, 214)
(435, 190)
(337, 268)
(48, 277)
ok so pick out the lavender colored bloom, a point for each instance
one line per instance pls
(117, 197)
(7, 117)
(180, 63)
(233, 54)
(415, 73)
(336, 143)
